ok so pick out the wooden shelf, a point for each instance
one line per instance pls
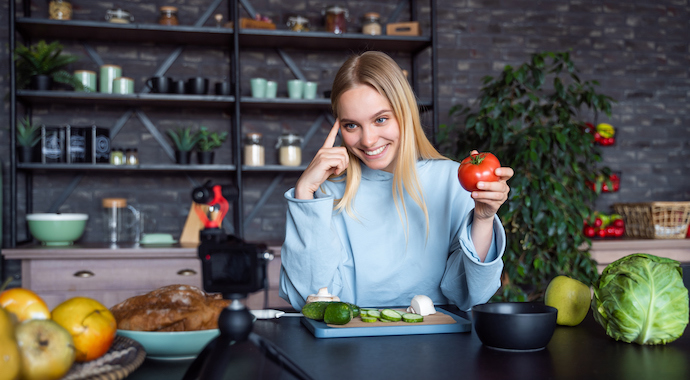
(604, 252)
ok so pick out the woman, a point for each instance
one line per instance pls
(383, 218)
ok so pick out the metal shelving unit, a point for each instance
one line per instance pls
(225, 38)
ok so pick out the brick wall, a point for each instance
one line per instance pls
(638, 50)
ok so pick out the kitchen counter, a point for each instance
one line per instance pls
(581, 352)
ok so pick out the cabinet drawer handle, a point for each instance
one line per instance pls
(84, 274)
(186, 272)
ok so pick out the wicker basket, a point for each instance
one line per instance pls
(655, 220)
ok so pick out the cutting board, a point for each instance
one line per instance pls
(443, 322)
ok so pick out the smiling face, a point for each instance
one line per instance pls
(369, 128)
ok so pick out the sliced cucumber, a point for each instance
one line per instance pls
(368, 319)
(373, 313)
(412, 318)
(390, 315)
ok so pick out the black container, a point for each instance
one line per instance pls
(79, 144)
(26, 154)
(223, 88)
(204, 158)
(101, 145)
(519, 326)
(197, 86)
(161, 85)
(41, 82)
(178, 87)
(183, 157)
(53, 144)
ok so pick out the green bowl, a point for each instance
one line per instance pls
(57, 228)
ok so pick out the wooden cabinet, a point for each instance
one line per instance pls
(113, 275)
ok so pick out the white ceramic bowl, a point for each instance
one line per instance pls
(57, 228)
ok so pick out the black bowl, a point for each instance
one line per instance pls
(523, 326)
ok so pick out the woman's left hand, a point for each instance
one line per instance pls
(491, 194)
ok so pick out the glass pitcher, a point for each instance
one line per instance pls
(122, 222)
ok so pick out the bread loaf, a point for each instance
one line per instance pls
(170, 308)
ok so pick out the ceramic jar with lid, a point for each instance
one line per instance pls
(336, 19)
(298, 24)
(254, 153)
(371, 24)
(118, 16)
(290, 149)
(59, 10)
(168, 16)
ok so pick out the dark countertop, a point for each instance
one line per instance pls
(581, 352)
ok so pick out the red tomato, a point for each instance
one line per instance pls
(601, 233)
(478, 168)
(610, 231)
(598, 222)
(590, 231)
(619, 223)
(618, 231)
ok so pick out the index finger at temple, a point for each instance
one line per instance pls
(330, 140)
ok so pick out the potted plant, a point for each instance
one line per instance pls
(41, 64)
(530, 118)
(208, 141)
(28, 135)
(185, 139)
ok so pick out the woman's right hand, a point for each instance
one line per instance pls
(328, 160)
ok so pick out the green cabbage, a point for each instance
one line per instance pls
(641, 298)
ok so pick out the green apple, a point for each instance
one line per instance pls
(570, 297)
(46, 348)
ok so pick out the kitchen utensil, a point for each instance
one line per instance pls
(295, 88)
(518, 326)
(171, 345)
(178, 87)
(108, 73)
(57, 228)
(119, 225)
(223, 88)
(258, 87)
(118, 16)
(123, 85)
(161, 85)
(273, 314)
(197, 86)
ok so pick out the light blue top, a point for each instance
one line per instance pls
(373, 260)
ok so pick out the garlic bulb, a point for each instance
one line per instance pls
(322, 295)
(421, 305)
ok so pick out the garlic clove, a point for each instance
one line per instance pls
(322, 295)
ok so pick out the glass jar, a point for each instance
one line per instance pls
(132, 156)
(254, 153)
(118, 16)
(298, 24)
(290, 149)
(59, 10)
(168, 16)
(336, 19)
(117, 157)
(371, 24)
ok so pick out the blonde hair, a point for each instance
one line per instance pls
(382, 73)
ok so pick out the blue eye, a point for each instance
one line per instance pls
(381, 120)
(350, 126)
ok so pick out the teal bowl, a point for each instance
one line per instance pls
(171, 345)
(57, 228)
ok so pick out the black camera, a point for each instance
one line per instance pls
(231, 266)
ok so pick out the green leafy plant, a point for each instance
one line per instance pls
(529, 117)
(210, 140)
(28, 134)
(184, 138)
(44, 59)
